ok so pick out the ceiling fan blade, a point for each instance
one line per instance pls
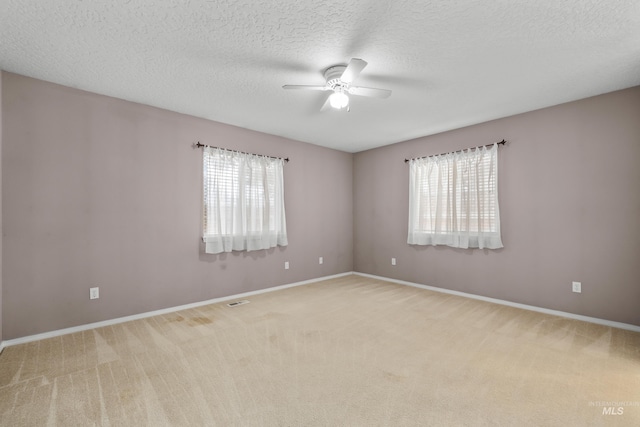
(370, 92)
(327, 105)
(353, 70)
(305, 87)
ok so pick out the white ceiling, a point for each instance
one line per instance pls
(449, 63)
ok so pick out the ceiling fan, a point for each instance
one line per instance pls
(339, 79)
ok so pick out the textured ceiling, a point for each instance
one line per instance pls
(448, 63)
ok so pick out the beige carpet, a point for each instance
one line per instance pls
(347, 352)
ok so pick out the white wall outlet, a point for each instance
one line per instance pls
(286, 265)
(320, 260)
(94, 293)
(576, 287)
(393, 261)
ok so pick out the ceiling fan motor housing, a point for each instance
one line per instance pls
(332, 76)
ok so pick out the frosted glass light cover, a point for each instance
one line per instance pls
(338, 100)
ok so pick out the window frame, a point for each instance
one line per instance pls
(443, 210)
(251, 216)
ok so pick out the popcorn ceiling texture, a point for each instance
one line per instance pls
(449, 64)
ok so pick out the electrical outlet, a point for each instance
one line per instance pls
(576, 287)
(393, 261)
(94, 293)
(286, 265)
(320, 260)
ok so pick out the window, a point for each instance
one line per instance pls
(243, 201)
(453, 199)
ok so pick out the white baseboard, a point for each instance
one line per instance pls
(604, 322)
(110, 322)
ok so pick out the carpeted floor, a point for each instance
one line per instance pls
(346, 352)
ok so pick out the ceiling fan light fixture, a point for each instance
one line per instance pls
(338, 80)
(338, 100)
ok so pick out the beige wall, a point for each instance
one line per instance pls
(98, 191)
(569, 188)
(102, 192)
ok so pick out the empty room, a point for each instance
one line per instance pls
(279, 213)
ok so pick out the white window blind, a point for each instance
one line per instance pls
(453, 199)
(243, 201)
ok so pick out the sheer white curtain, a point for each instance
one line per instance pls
(453, 199)
(243, 201)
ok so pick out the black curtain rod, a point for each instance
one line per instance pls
(457, 151)
(243, 152)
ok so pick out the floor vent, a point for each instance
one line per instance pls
(236, 303)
